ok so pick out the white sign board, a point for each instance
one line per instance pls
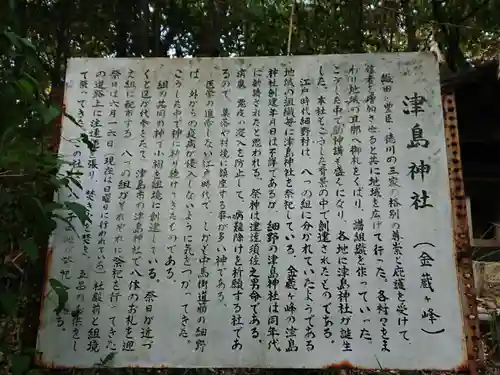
(257, 212)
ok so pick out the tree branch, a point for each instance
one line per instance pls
(454, 55)
(409, 26)
(209, 43)
(474, 10)
(437, 16)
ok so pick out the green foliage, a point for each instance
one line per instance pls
(8, 303)
(465, 29)
(20, 364)
(30, 248)
(29, 177)
(61, 291)
(28, 169)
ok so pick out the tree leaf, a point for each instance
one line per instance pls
(70, 224)
(27, 43)
(29, 85)
(61, 291)
(86, 140)
(12, 6)
(32, 80)
(8, 301)
(52, 206)
(38, 203)
(76, 183)
(25, 87)
(20, 364)
(7, 136)
(13, 38)
(51, 225)
(104, 362)
(60, 182)
(49, 113)
(30, 247)
(72, 119)
(79, 210)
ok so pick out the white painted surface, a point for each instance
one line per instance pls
(411, 73)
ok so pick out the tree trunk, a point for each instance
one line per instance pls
(156, 29)
(144, 21)
(210, 35)
(454, 55)
(63, 12)
(451, 39)
(22, 18)
(121, 42)
(409, 26)
(359, 37)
